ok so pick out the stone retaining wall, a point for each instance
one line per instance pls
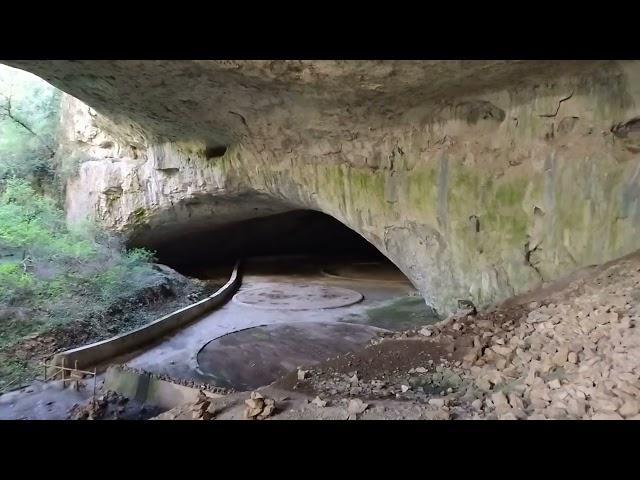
(99, 352)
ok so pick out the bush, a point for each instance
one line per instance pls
(64, 274)
(15, 284)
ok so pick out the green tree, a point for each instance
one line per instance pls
(29, 117)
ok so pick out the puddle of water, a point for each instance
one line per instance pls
(398, 314)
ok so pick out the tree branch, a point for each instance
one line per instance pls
(6, 107)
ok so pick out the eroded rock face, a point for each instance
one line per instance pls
(478, 179)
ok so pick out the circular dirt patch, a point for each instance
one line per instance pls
(297, 297)
(257, 356)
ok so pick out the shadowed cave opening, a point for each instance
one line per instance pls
(295, 239)
(312, 289)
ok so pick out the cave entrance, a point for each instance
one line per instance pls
(290, 242)
(312, 289)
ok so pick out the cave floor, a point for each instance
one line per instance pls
(570, 350)
(306, 299)
(323, 308)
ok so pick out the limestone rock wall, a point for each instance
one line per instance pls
(477, 196)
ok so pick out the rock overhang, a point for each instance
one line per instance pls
(479, 179)
(222, 102)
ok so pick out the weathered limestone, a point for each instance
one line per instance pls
(477, 179)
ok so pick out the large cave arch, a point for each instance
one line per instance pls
(479, 179)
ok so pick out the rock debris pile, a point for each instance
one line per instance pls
(111, 404)
(573, 355)
(179, 381)
(259, 407)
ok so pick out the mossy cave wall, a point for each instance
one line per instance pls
(475, 197)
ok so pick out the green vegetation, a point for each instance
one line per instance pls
(43, 260)
(51, 275)
(29, 113)
(60, 286)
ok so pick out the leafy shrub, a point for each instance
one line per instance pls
(63, 273)
(15, 284)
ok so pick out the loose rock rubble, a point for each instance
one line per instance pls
(320, 403)
(101, 408)
(571, 358)
(202, 409)
(573, 354)
(180, 381)
(259, 407)
(355, 407)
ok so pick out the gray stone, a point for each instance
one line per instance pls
(356, 406)
(630, 408)
(437, 402)
(607, 416)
